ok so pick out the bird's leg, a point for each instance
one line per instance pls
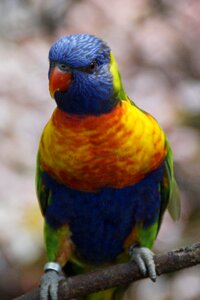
(50, 280)
(143, 257)
(59, 248)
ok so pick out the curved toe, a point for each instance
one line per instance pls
(143, 257)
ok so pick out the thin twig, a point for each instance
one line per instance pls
(84, 284)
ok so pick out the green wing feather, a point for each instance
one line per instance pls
(174, 206)
(43, 193)
(170, 197)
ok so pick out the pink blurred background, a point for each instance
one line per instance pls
(156, 44)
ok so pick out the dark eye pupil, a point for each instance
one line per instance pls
(92, 65)
(63, 66)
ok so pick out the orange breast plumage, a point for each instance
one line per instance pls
(115, 150)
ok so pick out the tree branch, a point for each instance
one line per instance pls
(126, 273)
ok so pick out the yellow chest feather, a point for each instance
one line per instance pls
(114, 150)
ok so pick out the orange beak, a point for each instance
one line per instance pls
(59, 81)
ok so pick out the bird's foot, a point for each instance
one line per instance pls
(143, 257)
(49, 281)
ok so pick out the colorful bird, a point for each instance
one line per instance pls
(104, 168)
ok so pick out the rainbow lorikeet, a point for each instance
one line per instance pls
(104, 168)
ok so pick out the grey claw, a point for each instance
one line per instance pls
(143, 257)
(49, 285)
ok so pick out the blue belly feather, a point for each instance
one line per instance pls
(101, 221)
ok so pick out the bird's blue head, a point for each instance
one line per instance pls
(83, 75)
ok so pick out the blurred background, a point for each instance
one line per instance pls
(156, 44)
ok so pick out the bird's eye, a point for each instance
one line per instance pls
(92, 66)
(63, 67)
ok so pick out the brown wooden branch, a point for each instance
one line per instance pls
(84, 284)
